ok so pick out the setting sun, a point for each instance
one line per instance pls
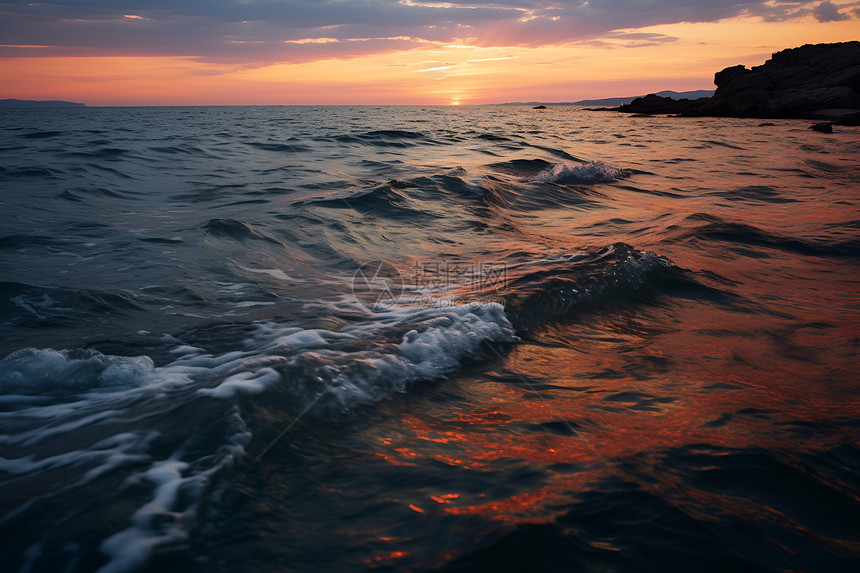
(502, 53)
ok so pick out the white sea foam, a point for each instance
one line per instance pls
(277, 338)
(244, 383)
(109, 449)
(438, 342)
(274, 273)
(42, 307)
(153, 524)
(167, 518)
(128, 400)
(590, 172)
(444, 340)
(35, 371)
(250, 303)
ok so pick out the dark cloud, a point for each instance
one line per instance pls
(252, 32)
(827, 12)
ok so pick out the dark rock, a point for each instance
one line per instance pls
(750, 81)
(797, 100)
(847, 119)
(727, 75)
(539, 107)
(795, 75)
(794, 83)
(649, 104)
(822, 127)
(766, 124)
(654, 104)
(849, 77)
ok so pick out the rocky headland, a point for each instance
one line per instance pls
(812, 81)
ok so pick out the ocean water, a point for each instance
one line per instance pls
(426, 338)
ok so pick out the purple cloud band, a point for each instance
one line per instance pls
(262, 31)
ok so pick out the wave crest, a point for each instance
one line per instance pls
(436, 344)
(34, 371)
(590, 172)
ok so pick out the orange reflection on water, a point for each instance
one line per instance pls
(617, 391)
(515, 505)
(381, 558)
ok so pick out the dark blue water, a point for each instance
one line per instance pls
(405, 338)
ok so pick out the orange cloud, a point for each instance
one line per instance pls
(624, 62)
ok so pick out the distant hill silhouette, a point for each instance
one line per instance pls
(695, 94)
(35, 103)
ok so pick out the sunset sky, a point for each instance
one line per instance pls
(185, 52)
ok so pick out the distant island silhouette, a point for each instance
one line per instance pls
(37, 103)
(616, 100)
(695, 94)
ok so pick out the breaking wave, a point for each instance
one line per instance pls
(590, 172)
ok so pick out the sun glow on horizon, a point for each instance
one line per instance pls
(685, 58)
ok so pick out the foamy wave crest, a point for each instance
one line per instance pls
(110, 422)
(437, 342)
(556, 288)
(591, 172)
(32, 371)
(165, 520)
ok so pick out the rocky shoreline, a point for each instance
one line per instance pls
(814, 81)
